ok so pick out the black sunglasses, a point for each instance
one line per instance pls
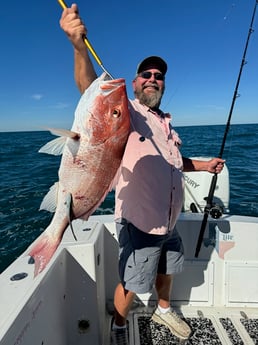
(148, 75)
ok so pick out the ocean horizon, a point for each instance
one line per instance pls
(179, 126)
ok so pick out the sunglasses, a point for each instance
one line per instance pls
(148, 75)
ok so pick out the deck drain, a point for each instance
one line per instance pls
(83, 325)
(19, 276)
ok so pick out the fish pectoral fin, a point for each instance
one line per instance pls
(64, 133)
(54, 147)
(50, 200)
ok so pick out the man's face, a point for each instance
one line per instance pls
(149, 87)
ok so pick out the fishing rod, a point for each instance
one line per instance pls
(215, 213)
(88, 45)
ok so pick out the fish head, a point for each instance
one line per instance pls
(109, 114)
(102, 112)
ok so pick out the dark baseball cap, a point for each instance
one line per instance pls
(152, 62)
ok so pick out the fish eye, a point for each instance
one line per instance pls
(116, 113)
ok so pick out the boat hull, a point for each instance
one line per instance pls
(71, 301)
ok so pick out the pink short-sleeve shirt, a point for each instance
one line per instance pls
(149, 192)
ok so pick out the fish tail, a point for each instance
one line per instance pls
(42, 251)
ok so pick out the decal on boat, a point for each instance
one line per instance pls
(224, 242)
(191, 182)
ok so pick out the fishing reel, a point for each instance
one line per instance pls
(216, 211)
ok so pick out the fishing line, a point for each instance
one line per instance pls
(229, 144)
(88, 45)
(209, 199)
(188, 72)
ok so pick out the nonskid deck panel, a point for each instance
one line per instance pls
(208, 328)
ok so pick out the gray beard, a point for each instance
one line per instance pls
(152, 101)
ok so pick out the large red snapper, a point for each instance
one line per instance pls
(92, 153)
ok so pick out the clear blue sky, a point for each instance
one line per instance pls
(201, 40)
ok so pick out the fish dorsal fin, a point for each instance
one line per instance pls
(54, 147)
(50, 200)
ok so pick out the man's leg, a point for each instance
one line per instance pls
(123, 300)
(164, 315)
(163, 287)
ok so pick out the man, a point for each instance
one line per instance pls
(149, 192)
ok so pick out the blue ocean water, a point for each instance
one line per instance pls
(26, 176)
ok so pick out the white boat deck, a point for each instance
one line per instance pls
(71, 301)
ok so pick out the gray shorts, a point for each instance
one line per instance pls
(143, 255)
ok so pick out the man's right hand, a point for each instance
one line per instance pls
(74, 27)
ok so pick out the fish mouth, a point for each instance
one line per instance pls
(112, 84)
